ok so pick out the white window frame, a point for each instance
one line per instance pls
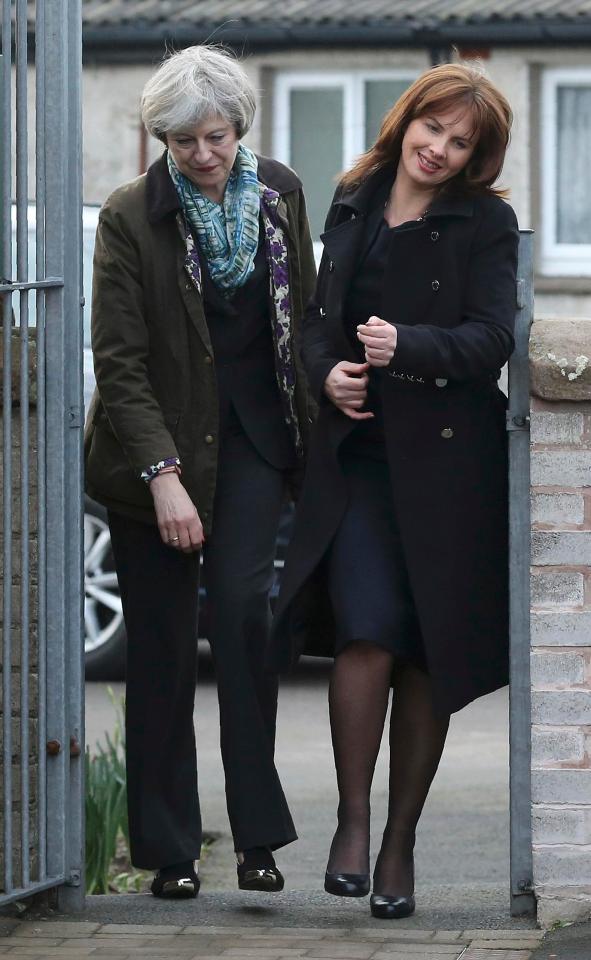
(558, 259)
(352, 84)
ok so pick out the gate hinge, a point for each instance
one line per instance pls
(521, 294)
(75, 418)
(516, 422)
(75, 878)
(525, 886)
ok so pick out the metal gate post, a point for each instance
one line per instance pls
(71, 896)
(522, 896)
(42, 528)
(63, 398)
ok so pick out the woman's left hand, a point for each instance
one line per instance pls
(379, 339)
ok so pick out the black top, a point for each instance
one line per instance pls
(241, 337)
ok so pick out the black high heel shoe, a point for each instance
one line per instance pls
(391, 908)
(258, 871)
(347, 884)
(178, 882)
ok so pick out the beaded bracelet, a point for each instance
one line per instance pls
(152, 471)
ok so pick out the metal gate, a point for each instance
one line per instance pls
(42, 418)
(522, 896)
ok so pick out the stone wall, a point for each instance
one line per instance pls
(561, 617)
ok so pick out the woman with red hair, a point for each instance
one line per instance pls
(399, 563)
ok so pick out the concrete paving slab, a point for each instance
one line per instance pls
(502, 934)
(400, 953)
(59, 928)
(479, 954)
(441, 949)
(503, 944)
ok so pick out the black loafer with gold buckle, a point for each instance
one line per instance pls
(176, 883)
(258, 871)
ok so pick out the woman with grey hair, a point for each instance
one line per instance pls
(196, 434)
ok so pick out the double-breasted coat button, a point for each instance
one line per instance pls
(208, 438)
(441, 382)
(435, 235)
(331, 266)
(435, 284)
(207, 359)
(447, 433)
(188, 286)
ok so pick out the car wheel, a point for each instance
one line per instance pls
(104, 629)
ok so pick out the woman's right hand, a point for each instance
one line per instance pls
(176, 514)
(346, 387)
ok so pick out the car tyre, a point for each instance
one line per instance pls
(104, 629)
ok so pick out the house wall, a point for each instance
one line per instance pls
(113, 136)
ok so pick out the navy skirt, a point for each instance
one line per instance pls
(367, 578)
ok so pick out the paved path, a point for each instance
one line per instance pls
(462, 857)
(43, 940)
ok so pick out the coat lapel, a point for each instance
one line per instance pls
(343, 242)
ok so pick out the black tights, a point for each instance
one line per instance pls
(358, 700)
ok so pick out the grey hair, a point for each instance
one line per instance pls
(196, 84)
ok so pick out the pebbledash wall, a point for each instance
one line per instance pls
(560, 365)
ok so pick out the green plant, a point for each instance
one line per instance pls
(106, 805)
(108, 866)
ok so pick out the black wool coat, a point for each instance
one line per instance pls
(450, 290)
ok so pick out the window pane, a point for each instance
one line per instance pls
(573, 198)
(316, 131)
(380, 95)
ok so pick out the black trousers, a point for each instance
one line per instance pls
(159, 589)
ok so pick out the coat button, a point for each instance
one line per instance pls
(440, 382)
(187, 286)
(435, 284)
(447, 433)
(435, 235)
(208, 438)
(208, 360)
(331, 266)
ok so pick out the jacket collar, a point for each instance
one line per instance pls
(162, 198)
(161, 195)
(446, 204)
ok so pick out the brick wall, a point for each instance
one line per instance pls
(561, 618)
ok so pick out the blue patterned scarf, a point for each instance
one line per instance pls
(228, 233)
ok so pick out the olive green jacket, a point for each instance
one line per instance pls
(156, 394)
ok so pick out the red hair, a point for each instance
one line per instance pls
(439, 89)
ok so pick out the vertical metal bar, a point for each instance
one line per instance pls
(71, 896)
(55, 145)
(40, 41)
(23, 274)
(7, 444)
(522, 897)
